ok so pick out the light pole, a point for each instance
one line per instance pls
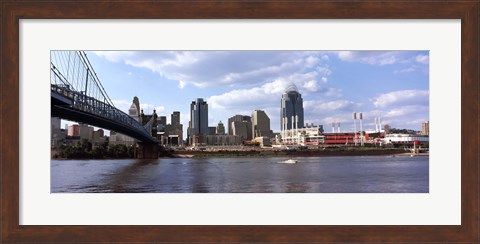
(361, 128)
(355, 128)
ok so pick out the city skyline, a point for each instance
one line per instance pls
(392, 85)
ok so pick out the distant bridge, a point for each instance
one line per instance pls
(78, 95)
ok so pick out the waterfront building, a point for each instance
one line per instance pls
(173, 133)
(303, 136)
(341, 138)
(405, 138)
(291, 112)
(120, 139)
(212, 130)
(146, 118)
(56, 133)
(242, 129)
(260, 124)
(198, 125)
(175, 118)
(161, 123)
(98, 137)
(86, 132)
(426, 128)
(262, 141)
(73, 130)
(223, 140)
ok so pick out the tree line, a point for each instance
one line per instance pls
(84, 149)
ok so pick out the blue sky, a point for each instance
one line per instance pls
(393, 85)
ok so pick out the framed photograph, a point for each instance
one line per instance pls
(302, 77)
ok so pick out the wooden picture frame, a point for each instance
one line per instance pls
(466, 10)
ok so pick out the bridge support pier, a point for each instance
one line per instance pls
(146, 150)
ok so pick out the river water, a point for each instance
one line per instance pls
(353, 174)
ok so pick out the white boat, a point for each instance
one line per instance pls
(290, 161)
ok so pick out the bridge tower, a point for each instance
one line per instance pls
(145, 150)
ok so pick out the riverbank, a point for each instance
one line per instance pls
(327, 152)
(288, 153)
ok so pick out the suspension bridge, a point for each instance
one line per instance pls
(78, 95)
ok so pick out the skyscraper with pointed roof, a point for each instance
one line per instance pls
(291, 113)
(134, 110)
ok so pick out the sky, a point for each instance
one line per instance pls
(392, 85)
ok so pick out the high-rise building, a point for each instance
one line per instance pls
(426, 128)
(241, 128)
(260, 124)
(136, 102)
(175, 118)
(173, 132)
(57, 136)
(242, 123)
(86, 132)
(212, 130)
(146, 118)
(73, 130)
(291, 113)
(198, 125)
(134, 110)
(220, 130)
(161, 123)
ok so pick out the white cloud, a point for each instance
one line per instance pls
(213, 68)
(370, 57)
(325, 71)
(405, 70)
(322, 107)
(342, 118)
(181, 84)
(404, 97)
(311, 85)
(264, 95)
(124, 106)
(405, 110)
(148, 108)
(424, 59)
(311, 61)
(333, 92)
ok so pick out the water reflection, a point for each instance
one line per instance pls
(242, 175)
